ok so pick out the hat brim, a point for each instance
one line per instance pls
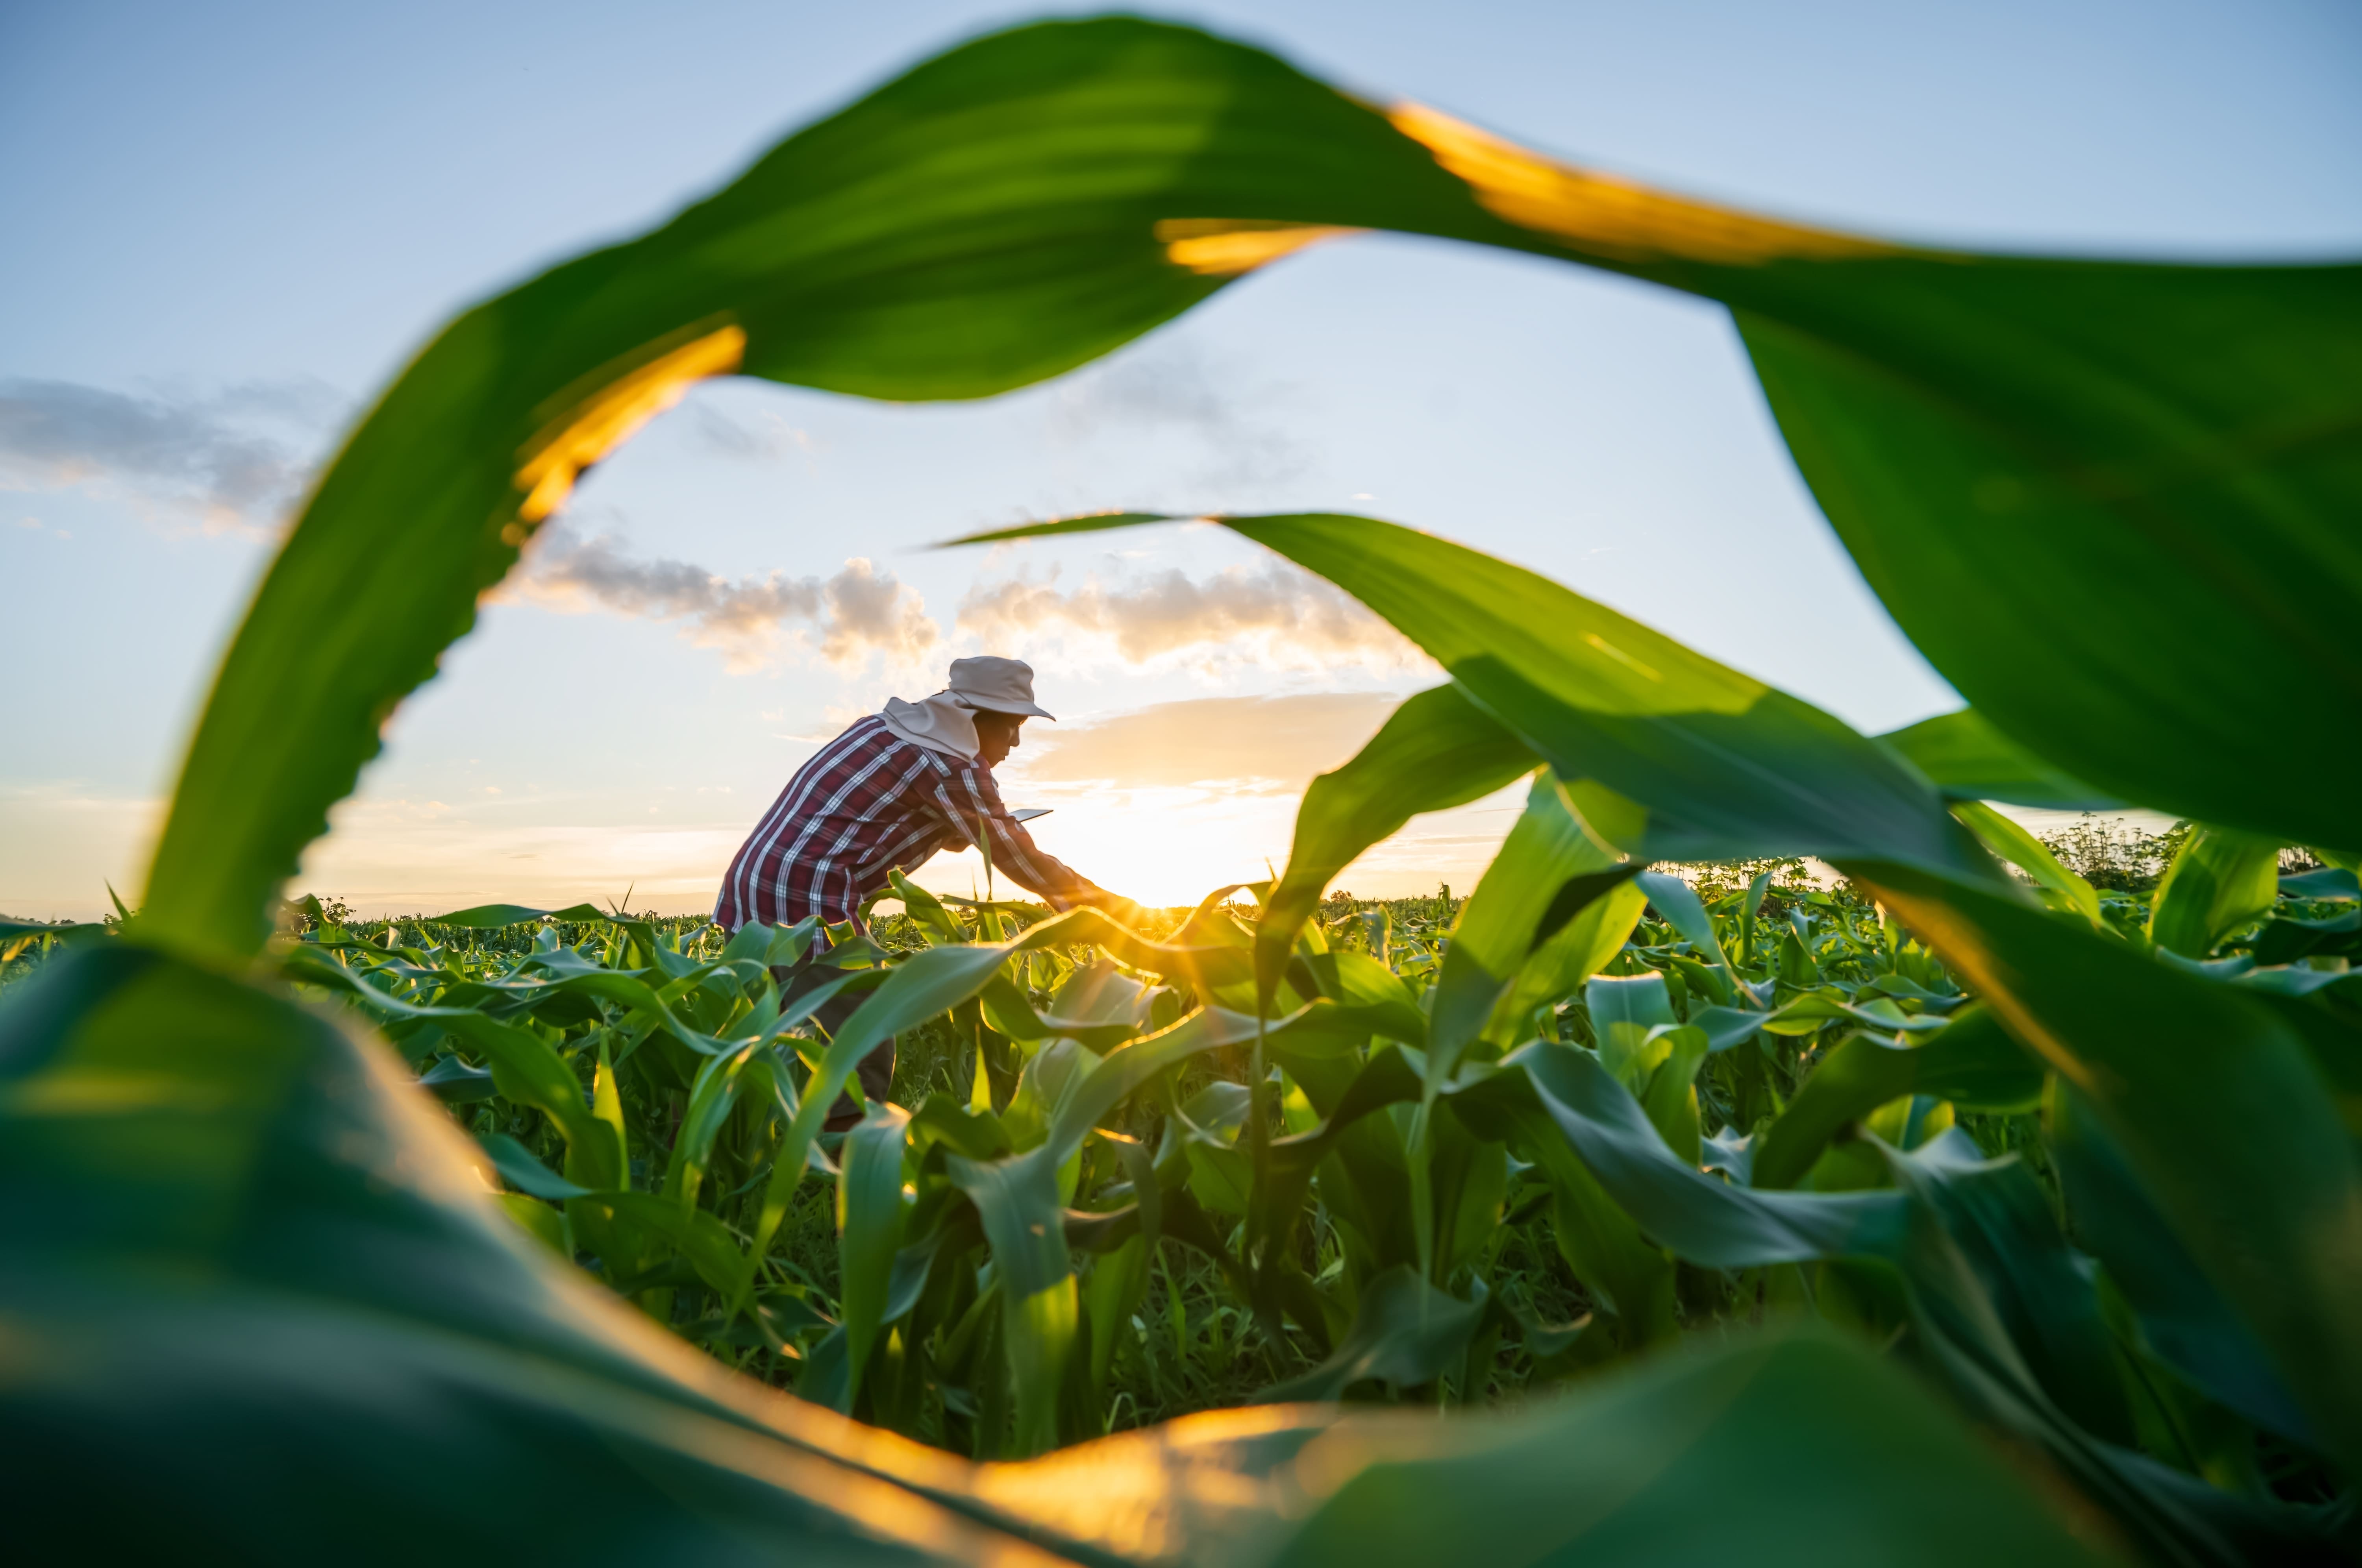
(1002, 705)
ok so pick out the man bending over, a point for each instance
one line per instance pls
(884, 796)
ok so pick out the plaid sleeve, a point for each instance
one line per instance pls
(969, 798)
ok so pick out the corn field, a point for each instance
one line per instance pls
(1981, 1199)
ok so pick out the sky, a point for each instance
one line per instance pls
(229, 225)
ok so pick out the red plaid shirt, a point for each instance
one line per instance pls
(867, 803)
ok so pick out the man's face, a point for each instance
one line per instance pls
(997, 736)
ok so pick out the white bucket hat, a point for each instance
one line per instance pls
(997, 686)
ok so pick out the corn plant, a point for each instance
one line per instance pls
(253, 1261)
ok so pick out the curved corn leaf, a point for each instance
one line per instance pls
(2023, 850)
(454, 1082)
(1405, 1332)
(1669, 1095)
(1435, 751)
(1638, 1000)
(2219, 880)
(521, 1170)
(1725, 1027)
(1974, 1063)
(1550, 867)
(711, 1097)
(1370, 998)
(925, 910)
(2332, 882)
(2182, 1316)
(1751, 1428)
(869, 1230)
(1020, 1204)
(2213, 1095)
(1625, 1273)
(2285, 941)
(1996, 1212)
(1567, 959)
(529, 1072)
(492, 917)
(1807, 1013)
(1666, 754)
(696, 1234)
(2007, 1314)
(1701, 1219)
(1969, 759)
(2108, 501)
(1677, 903)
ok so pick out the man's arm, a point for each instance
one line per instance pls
(972, 801)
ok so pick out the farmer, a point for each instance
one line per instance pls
(884, 796)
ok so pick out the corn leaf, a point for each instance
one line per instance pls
(1435, 751)
(1564, 960)
(1752, 1427)
(1549, 870)
(1969, 759)
(2214, 1096)
(494, 917)
(1974, 1063)
(2220, 880)
(2184, 1318)
(1666, 754)
(2009, 840)
(1405, 1332)
(2053, 474)
(869, 1229)
(1701, 1219)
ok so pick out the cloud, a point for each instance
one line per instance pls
(858, 611)
(1285, 609)
(710, 429)
(199, 455)
(867, 609)
(1273, 744)
(1170, 388)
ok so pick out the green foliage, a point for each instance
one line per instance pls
(1582, 1241)
(2113, 856)
(1963, 755)
(1693, 1145)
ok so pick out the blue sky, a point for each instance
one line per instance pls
(229, 224)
